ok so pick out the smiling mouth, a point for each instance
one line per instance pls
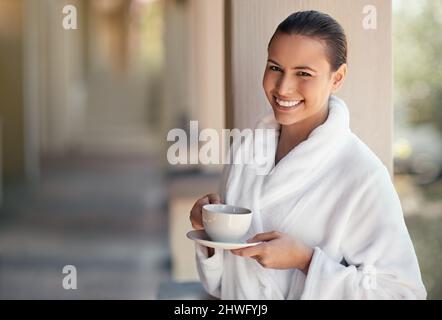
(287, 104)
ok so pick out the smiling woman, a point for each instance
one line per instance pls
(326, 211)
(305, 65)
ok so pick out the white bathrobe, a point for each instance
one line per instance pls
(332, 193)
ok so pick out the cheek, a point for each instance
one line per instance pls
(307, 88)
(312, 88)
(268, 82)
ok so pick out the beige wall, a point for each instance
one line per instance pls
(207, 61)
(11, 86)
(194, 81)
(368, 87)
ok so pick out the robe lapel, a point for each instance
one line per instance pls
(310, 159)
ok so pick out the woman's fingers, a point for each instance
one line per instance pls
(260, 248)
(196, 215)
(196, 212)
(196, 224)
(265, 236)
(257, 250)
(261, 253)
(214, 198)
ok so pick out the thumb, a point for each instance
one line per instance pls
(265, 236)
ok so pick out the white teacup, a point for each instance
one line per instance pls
(226, 223)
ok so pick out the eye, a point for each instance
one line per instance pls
(275, 68)
(304, 74)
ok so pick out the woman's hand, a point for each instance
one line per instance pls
(278, 251)
(196, 214)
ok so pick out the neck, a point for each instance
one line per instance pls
(292, 135)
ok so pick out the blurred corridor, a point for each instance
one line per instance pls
(104, 215)
(84, 114)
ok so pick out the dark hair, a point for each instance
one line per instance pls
(321, 26)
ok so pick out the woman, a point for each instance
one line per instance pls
(327, 213)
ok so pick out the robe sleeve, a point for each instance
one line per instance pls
(209, 269)
(381, 261)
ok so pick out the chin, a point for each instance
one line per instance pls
(284, 120)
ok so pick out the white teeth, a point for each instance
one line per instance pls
(287, 104)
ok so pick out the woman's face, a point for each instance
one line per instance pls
(298, 79)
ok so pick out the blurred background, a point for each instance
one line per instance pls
(417, 148)
(84, 116)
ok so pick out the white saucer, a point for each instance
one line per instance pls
(201, 237)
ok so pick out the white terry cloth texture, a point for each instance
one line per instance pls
(332, 193)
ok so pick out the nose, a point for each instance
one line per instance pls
(285, 86)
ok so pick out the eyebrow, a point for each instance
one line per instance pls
(295, 68)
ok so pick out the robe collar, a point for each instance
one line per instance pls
(309, 160)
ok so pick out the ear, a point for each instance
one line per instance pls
(338, 77)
